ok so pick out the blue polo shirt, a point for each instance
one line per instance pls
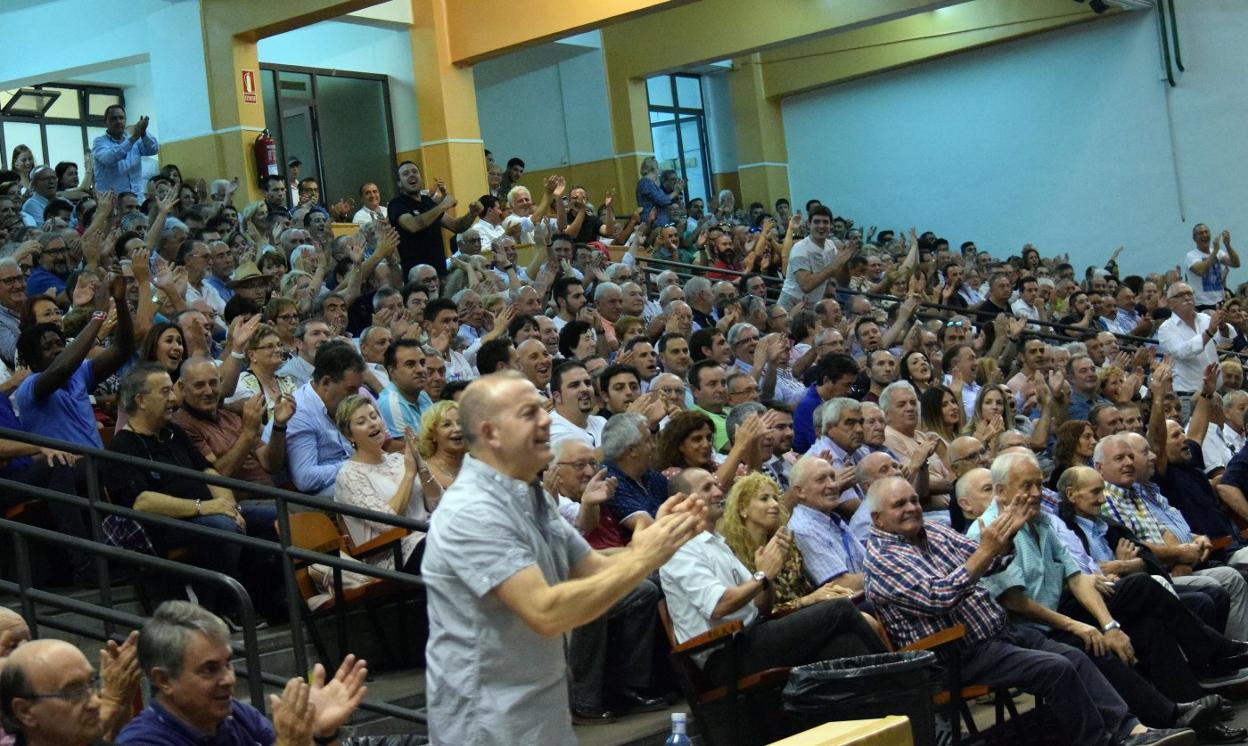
(156, 726)
(66, 414)
(804, 420)
(635, 497)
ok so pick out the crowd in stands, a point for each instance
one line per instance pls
(836, 436)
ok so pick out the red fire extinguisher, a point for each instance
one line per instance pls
(265, 151)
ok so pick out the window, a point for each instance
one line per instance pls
(57, 121)
(336, 123)
(678, 130)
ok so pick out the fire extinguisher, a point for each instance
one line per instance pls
(265, 151)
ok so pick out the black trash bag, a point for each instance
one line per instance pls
(862, 681)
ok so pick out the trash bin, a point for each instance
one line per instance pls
(867, 686)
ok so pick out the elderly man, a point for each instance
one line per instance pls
(974, 494)
(51, 696)
(1084, 393)
(534, 362)
(902, 436)
(610, 657)
(922, 579)
(706, 586)
(841, 444)
(230, 442)
(507, 577)
(1191, 338)
(573, 394)
(1044, 587)
(1133, 500)
(185, 651)
(149, 399)
(829, 551)
(628, 449)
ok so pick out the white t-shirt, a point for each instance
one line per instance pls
(364, 216)
(591, 435)
(1211, 286)
(807, 255)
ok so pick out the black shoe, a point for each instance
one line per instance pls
(631, 700)
(592, 716)
(1221, 734)
(1195, 715)
(1163, 737)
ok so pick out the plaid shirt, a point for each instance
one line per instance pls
(1125, 506)
(923, 587)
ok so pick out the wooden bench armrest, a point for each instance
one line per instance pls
(943, 637)
(710, 638)
(1222, 542)
(378, 543)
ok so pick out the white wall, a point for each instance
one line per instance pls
(356, 47)
(55, 44)
(547, 105)
(1061, 140)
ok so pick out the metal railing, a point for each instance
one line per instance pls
(98, 506)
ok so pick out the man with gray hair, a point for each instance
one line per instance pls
(627, 451)
(925, 578)
(841, 423)
(699, 297)
(427, 275)
(185, 651)
(1045, 587)
(608, 299)
(912, 447)
(12, 297)
(830, 553)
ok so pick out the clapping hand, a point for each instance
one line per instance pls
(335, 701)
(294, 714)
(600, 489)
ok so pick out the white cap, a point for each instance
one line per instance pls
(679, 717)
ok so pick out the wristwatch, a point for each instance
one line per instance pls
(1111, 626)
(762, 578)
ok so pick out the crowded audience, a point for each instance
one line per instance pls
(777, 419)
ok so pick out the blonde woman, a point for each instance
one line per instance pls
(442, 447)
(380, 481)
(753, 513)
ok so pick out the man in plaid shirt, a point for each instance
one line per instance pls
(924, 578)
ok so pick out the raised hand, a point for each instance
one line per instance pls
(336, 700)
(671, 530)
(599, 490)
(119, 670)
(283, 410)
(294, 714)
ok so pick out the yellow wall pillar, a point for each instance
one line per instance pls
(630, 120)
(452, 149)
(762, 158)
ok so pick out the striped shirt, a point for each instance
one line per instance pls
(1125, 506)
(920, 588)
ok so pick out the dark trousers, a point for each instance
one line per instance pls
(1210, 604)
(825, 631)
(1172, 645)
(614, 651)
(57, 477)
(225, 557)
(1087, 707)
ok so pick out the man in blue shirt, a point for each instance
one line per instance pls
(404, 401)
(315, 447)
(185, 651)
(830, 553)
(118, 164)
(835, 374)
(627, 449)
(43, 188)
(52, 271)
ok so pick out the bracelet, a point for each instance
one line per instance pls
(99, 316)
(237, 355)
(277, 429)
(326, 740)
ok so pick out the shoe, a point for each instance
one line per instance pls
(631, 700)
(1221, 734)
(1163, 737)
(592, 716)
(1195, 715)
(1214, 678)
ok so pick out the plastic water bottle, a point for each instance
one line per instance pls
(678, 737)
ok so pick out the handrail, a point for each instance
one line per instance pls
(1174, 35)
(1165, 44)
(282, 498)
(27, 593)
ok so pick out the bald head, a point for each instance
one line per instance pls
(874, 467)
(506, 425)
(974, 492)
(966, 453)
(50, 666)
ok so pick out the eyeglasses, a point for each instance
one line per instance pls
(1185, 295)
(266, 348)
(581, 465)
(287, 317)
(15, 279)
(983, 450)
(74, 694)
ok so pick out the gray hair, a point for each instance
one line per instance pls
(560, 447)
(622, 431)
(739, 414)
(831, 411)
(1228, 399)
(886, 396)
(624, 286)
(604, 288)
(414, 273)
(1075, 349)
(665, 275)
(459, 297)
(962, 487)
(511, 193)
(615, 269)
(697, 285)
(665, 295)
(164, 638)
(804, 464)
(1005, 463)
(1098, 453)
(382, 294)
(875, 493)
(135, 383)
(463, 237)
(737, 329)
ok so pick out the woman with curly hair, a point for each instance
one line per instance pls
(1116, 385)
(753, 514)
(687, 441)
(442, 447)
(917, 369)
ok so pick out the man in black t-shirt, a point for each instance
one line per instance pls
(147, 394)
(420, 217)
